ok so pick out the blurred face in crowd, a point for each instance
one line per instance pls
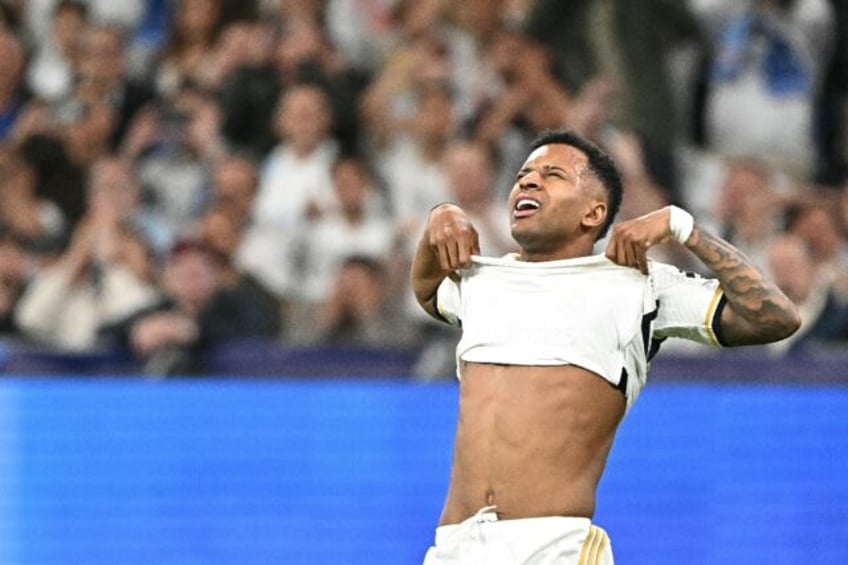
(68, 26)
(110, 179)
(196, 19)
(792, 267)
(469, 172)
(304, 117)
(820, 230)
(192, 277)
(219, 231)
(352, 185)
(234, 185)
(434, 120)
(102, 55)
(360, 286)
(747, 201)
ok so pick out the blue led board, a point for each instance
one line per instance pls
(233, 471)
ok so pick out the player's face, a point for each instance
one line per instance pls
(553, 199)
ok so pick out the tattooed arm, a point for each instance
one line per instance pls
(757, 311)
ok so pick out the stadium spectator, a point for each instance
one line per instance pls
(59, 143)
(271, 64)
(102, 76)
(234, 180)
(816, 223)
(764, 79)
(196, 313)
(362, 32)
(824, 312)
(294, 184)
(361, 309)
(508, 113)
(172, 146)
(99, 279)
(469, 167)
(748, 208)
(186, 58)
(411, 160)
(219, 229)
(356, 226)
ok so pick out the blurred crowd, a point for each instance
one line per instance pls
(177, 174)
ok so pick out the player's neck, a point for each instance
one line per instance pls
(570, 250)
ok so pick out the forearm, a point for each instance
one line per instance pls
(759, 311)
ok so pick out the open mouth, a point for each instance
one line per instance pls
(525, 207)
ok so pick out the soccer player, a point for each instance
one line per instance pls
(556, 344)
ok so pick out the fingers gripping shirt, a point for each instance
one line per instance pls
(588, 312)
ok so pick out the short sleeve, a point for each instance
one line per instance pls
(448, 301)
(689, 306)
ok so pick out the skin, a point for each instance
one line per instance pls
(534, 440)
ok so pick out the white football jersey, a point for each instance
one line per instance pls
(588, 312)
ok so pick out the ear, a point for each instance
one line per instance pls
(596, 215)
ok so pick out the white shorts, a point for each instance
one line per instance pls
(485, 540)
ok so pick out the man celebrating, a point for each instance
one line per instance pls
(556, 344)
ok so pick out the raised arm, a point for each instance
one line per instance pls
(447, 244)
(757, 310)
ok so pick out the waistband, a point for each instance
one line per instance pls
(488, 516)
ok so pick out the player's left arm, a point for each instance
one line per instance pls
(757, 311)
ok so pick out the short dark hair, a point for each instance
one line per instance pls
(601, 165)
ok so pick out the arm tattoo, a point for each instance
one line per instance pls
(769, 313)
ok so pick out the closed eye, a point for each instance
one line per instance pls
(546, 171)
(553, 171)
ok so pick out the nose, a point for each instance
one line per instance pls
(530, 181)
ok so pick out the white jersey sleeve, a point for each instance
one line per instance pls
(689, 306)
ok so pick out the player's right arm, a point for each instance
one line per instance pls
(447, 244)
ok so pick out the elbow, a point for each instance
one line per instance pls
(791, 322)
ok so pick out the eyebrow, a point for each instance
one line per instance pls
(543, 168)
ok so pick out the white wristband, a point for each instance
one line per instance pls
(680, 224)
